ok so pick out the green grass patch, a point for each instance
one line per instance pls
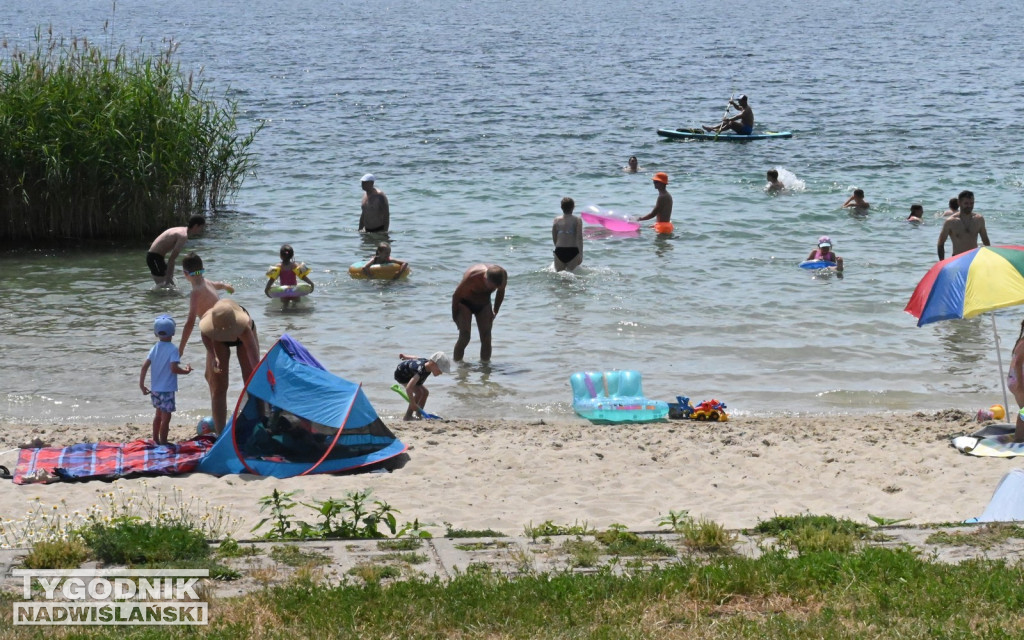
(56, 554)
(482, 546)
(874, 593)
(548, 528)
(619, 542)
(451, 532)
(982, 537)
(373, 574)
(582, 553)
(130, 541)
(400, 544)
(404, 558)
(230, 548)
(811, 534)
(706, 535)
(295, 556)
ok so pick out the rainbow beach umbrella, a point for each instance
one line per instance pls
(969, 284)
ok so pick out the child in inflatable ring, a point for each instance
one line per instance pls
(824, 252)
(288, 273)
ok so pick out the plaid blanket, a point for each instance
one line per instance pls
(109, 460)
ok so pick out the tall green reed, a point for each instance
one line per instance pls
(104, 143)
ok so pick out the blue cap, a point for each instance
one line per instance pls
(164, 326)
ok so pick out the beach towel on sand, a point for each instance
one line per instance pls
(992, 441)
(109, 460)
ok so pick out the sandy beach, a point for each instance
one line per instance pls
(504, 474)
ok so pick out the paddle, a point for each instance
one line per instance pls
(397, 388)
(728, 105)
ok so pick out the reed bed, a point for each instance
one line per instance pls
(102, 143)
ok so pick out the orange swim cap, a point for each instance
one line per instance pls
(661, 177)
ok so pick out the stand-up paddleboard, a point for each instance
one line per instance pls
(725, 136)
(608, 219)
(817, 264)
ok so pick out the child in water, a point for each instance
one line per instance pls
(824, 252)
(288, 273)
(916, 213)
(774, 185)
(383, 256)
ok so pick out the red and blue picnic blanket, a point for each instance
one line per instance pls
(109, 460)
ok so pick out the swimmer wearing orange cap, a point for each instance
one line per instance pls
(663, 206)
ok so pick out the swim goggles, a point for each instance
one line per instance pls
(197, 272)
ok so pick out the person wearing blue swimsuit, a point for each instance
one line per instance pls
(742, 123)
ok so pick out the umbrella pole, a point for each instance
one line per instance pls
(999, 359)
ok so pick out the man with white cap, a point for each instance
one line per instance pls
(376, 216)
(227, 325)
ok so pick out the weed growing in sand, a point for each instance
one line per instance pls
(56, 554)
(229, 548)
(295, 556)
(548, 528)
(811, 534)
(451, 532)
(885, 522)
(351, 518)
(707, 536)
(400, 544)
(373, 573)
(582, 553)
(620, 542)
(130, 541)
(983, 537)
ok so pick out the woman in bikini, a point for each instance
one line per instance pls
(567, 234)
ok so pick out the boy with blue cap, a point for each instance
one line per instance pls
(164, 360)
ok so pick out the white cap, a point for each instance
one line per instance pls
(442, 362)
(368, 178)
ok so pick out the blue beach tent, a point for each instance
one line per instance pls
(296, 418)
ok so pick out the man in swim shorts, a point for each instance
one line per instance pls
(963, 228)
(376, 215)
(171, 241)
(742, 123)
(662, 206)
(472, 298)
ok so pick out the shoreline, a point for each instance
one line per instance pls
(506, 474)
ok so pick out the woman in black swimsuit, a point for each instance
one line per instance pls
(567, 234)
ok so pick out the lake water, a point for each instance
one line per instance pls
(478, 117)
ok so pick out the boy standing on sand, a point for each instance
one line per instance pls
(171, 241)
(204, 295)
(164, 359)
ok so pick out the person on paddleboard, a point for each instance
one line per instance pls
(742, 123)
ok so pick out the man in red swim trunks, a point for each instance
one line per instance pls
(472, 298)
(663, 206)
